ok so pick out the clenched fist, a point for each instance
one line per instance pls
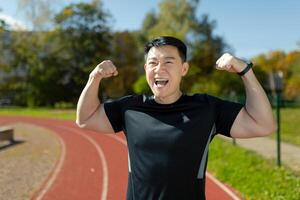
(230, 63)
(104, 70)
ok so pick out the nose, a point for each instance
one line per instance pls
(159, 67)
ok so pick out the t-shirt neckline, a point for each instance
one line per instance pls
(152, 100)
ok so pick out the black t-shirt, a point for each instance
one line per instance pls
(168, 143)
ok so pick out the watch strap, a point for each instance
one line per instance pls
(247, 68)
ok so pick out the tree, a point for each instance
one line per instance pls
(84, 37)
(55, 64)
(39, 13)
(4, 59)
(175, 17)
(178, 18)
(288, 64)
(34, 81)
(292, 85)
(127, 58)
(206, 48)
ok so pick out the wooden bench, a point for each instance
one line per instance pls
(7, 133)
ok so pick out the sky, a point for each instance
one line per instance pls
(250, 27)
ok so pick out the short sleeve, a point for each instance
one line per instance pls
(226, 112)
(114, 110)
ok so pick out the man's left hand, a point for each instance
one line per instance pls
(230, 63)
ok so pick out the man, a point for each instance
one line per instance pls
(168, 133)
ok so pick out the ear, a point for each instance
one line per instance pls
(185, 68)
(145, 66)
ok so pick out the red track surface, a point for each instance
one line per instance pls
(92, 165)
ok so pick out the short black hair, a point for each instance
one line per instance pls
(167, 40)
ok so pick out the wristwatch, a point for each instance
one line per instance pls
(248, 67)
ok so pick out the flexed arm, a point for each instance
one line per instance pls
(255, 118)
(90, 111)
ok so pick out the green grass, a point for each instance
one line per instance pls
(290, 125)
(39, 112)
(255, 177)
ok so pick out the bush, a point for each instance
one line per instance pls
(141, 86)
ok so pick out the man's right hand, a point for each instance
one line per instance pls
(90, 111)
(104, 70)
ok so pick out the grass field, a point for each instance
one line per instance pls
(39, 112)
(255, 177)
(290, 125)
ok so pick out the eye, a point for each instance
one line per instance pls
(169, 62)
(152, 63)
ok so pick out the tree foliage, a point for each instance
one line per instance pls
(178, 18)
(127, 58)
(56, 63)
(38, 13)
(288, 64)
(84, 39)
(47, 67)
(175, 17)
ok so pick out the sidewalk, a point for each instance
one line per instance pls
(267, 147)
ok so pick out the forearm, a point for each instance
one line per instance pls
(88, 101)
(257, 103)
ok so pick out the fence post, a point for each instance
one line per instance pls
(278, 104)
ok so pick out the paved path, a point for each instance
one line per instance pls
(93, 166)
(267, 147)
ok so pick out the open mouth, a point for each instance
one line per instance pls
(160, 82)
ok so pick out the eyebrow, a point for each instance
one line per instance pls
(170, 57)
(166, 58)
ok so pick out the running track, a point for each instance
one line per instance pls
(93, 166)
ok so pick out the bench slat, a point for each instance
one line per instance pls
(7, 133)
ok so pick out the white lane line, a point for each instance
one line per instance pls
(222, 186)
(57, 169)
(102, 158)
(124, 142)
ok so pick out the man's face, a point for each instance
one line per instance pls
(164, 70)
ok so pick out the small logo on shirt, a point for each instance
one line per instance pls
(185, 119)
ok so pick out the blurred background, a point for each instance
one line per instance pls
(49, 47)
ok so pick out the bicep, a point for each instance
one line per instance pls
(244, 126)
(99, 121)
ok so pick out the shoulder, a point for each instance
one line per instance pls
(210, 101)
(204, 98)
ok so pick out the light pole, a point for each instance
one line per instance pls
(276, 84)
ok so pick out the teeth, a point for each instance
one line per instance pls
(160, 79)
(161, 82)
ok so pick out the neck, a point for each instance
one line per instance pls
(169, 99)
